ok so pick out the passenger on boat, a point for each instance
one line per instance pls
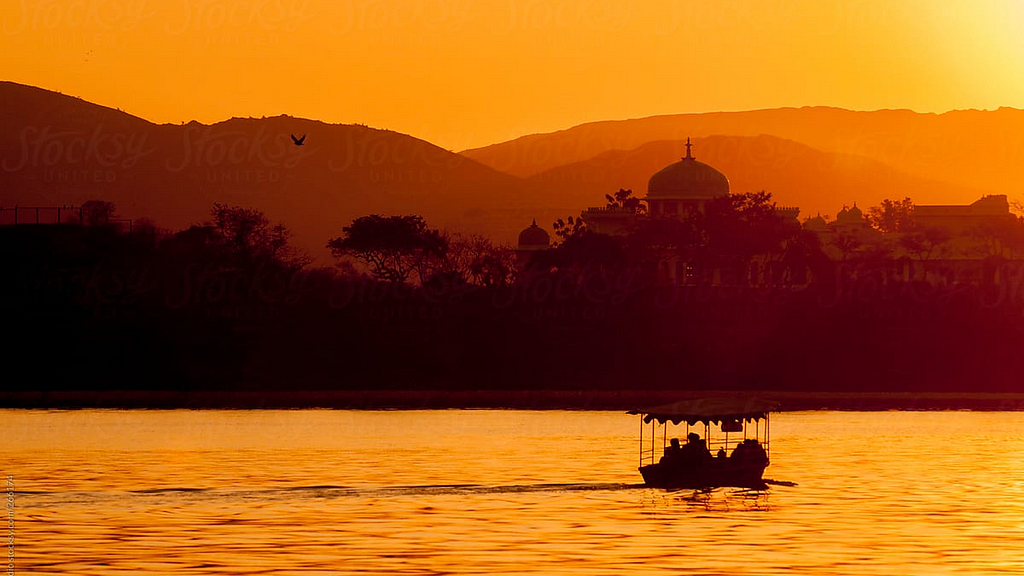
(696, 449)
(737, 452)
(750, 450)
(673, 452)
(721, 453)
(757, 453)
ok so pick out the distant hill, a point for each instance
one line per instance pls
(975, 150)
(57, 149)
(795, 174)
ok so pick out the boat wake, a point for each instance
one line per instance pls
(186, 494)
(452, 489)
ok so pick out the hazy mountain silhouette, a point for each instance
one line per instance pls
(795, 174)
(56, 149)
(970, 148)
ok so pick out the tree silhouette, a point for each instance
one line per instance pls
(585, 249)
(243, 230)
(247, 235)
(923, 242)
(663, 236)
(625, 199)
(565, 229)
(392, 246)
(848, 246)
(97, 212)
(494, 267)
(998, 238)
(892, 216)
(735, 228)
(477, 260)
(468, 259)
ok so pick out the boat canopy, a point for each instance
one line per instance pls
(709, 410)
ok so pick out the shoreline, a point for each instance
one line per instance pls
(625, 400)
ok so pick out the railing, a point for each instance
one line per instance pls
(57, 216)
(610, 209)
(649, 452)
(38, 211)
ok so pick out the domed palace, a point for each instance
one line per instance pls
(684, 187)
(676, 190)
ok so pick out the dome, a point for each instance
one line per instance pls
(534, 238)
(816, 224)
(850, 215)
(686, 180)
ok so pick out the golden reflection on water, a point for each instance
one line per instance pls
(513, 492)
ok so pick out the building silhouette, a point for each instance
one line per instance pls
(684, 187)
(947, 244)
(532, 239)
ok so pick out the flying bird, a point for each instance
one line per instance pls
(298, 141)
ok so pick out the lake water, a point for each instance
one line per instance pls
(502, 492)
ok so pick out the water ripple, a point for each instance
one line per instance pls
(311, 492)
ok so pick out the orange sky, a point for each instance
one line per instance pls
(464, 73)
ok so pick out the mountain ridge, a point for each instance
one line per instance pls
(968, 148)
(58, 150)
(796, 175)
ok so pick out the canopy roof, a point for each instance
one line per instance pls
(709, 410)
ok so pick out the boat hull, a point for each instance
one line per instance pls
(709, 474)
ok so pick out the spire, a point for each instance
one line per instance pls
(534, 222)
(688, 155)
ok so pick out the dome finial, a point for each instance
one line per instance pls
(688, 155)
(534, 221)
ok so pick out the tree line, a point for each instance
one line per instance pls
(729, 236)
(229, 302)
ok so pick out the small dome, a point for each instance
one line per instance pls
(686, 180)
(534, 238)
(850, 215)
(816, 224)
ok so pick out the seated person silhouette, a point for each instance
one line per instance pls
(702, 450)
(750, 451)
(737, 452)
(721, 453)
(757, 453)
(673, 452)
(696, 450)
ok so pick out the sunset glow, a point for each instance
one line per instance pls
(464, 73)
(512, 286)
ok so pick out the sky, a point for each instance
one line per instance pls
(467, 73)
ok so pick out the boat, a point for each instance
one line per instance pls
(732, 452)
